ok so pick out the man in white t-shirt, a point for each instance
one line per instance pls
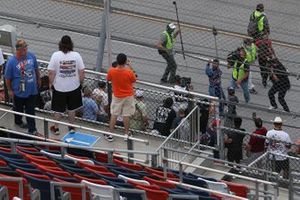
(66, 73)
(279, 142)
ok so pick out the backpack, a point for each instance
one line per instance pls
(253, 25)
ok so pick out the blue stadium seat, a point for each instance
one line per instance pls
(10, 155)
(77, 170)
(42, 185)
(120, 185)
(62, 160)
(31, 170)
(108, 178)
(125, 173)
(8, 171)
(21, 164)
(68, 179)
(193, 181)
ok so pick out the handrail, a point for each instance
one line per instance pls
(75, 126)
(207, 190)
(220, 172)
(66, 145)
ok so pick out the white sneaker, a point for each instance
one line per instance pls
(272, 108)
(109, 138)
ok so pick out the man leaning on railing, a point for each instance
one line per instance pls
(279, 142)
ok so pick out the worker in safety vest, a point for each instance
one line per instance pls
(240, 73)
(258, 25)
(251, 55)
(165, 48)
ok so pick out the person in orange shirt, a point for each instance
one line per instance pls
(122, 78)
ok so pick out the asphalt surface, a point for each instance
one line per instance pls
(231, 15)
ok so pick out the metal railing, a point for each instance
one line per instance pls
(294, 186)
(257, 182)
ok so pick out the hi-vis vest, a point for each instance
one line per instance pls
(251, 53)
(260, 23)
(170, 40)
(238, 73)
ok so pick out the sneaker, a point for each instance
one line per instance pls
(163, 80)
(54, 130)
(22, 125)
(109, 138)
(253, 91)
(272, 108)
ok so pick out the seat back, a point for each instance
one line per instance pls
(42, 185)
(183, 197)
(160, 183)
(195, 182)
(239, 189)
(79, 159)
(52, 155)
(104, 192)
(130, 194)
(218, 186)
(154, 194)
(126, 179)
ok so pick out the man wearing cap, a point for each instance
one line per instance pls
(278, 142)
(22, 78)
(166, 49)
(139, 120)
(259, 19)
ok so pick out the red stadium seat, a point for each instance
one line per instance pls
(97, 181)
(39, 176)
(3, 163)
(45, 162)
(13, 188)
(162, 177)
(46, 168)
(160, 173)
(32, 149)
(56, 171)
(160, 183)
(135, 184)
(105, 173)
(240, 190)
(75, 192)
(90, 166)
(154, 194)
(5, 149)
(128, 165)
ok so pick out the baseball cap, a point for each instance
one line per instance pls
(277, 120)
(139, 93)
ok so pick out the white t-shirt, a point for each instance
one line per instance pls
(66, 67)
(276, 146)
(1, 57)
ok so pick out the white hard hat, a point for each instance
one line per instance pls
(172, 26)
(277, 120)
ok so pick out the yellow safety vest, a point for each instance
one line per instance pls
(260, 23)
(170, 40)
(238, 73)
(251, 53)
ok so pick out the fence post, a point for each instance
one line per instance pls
(102, 38)
(180, 172)
(130, 147)
(220, 133)
(110, 157)
(266, 177)
(154, 160)
(165, 156)
(46, 130)
(291, 188)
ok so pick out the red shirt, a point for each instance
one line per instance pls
(122, 79)
(258, 144)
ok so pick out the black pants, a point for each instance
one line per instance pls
(264, 71)
(171, 67)
(281, 88)
(28, 104)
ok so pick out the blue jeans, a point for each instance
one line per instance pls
(217, 91)
(28, 104)
(244, 86)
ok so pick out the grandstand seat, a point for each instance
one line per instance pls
(30, 170)
(3, 163)
(125, 172)
(27, 148)
(63, 161)
(164, 184)
(131, 194)
(160, 173)
(8, 172)
(47, 168)
(45, 162)
(195, 191)
(101, 191)
(5, 149)
(109, 178)
(162, 177)
(51, 155)
(76, 193)
(195, 182)
(239, 189)
(21, 164)
(216, 196)
(119, 184)
(92, 180)
(13, 185)
(39, 176)
(183, 197)
(154, 194)
(101, 157)
(104, 173)
(126, 179)
(43, 186)
(78, 159)
(128, 165)
(218, 186)
(69, 179)
(76, 170)
(10, 155)
(92, 166)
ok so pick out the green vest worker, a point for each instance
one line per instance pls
(258, 16)
(165, 48)
(251, 55)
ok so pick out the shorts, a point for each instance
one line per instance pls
(62, 101)
(122, 106)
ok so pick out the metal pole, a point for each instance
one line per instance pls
(46, 130)
(215, 33)
(108, 33)
(291, 188)
(130, 147)
(110, 157)
(154, 160)
(102, 39)
(220, 134)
